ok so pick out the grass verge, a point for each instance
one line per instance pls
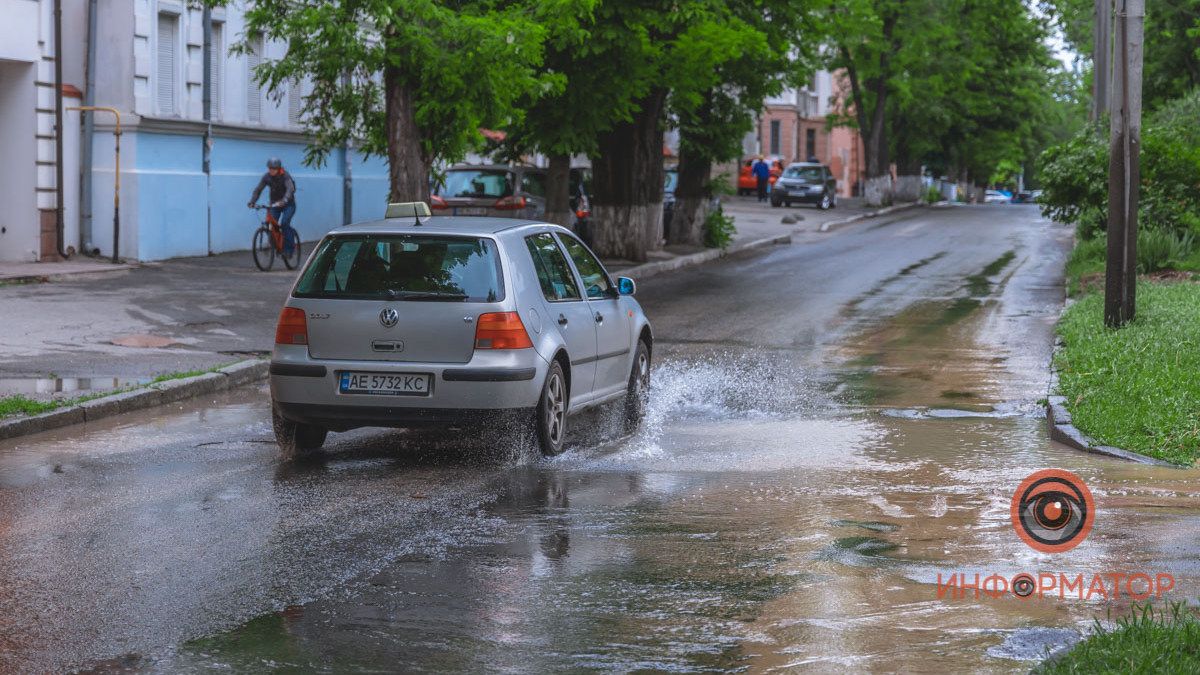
(1137, 388)
(1147, 641)
(17, 404)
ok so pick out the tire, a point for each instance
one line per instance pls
(294, 261)
(296, 441)
(637, 392)
(787, 204)
(550, 418)
(826, 202)
(833, 201)
(263, 248)
(776, 203)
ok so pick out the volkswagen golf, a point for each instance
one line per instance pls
(453, 321)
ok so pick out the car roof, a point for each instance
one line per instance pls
(804, 164)
(460, 225)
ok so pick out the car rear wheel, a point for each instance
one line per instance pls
(551, 415)
(296, 440)
(637, 393)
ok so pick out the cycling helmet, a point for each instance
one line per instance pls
(274, 163)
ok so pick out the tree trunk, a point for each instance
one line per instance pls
(626, 217)
(691, 200)
(408, 163)
(558, 190)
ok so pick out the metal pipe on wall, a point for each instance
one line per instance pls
(89, 132)
(206, 102)
(58, 129)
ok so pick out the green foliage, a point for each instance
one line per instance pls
(1162, 249)
(464, 66)
(1136, 388)
(22, 405)
(1147, 641)
(718, 229)
(933, 194)
(1074, 174)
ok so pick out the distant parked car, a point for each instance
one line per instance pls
(806, 183)
(501, 191)
(996, 197)
(747, 183)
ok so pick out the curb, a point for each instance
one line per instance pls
(830, 225)
(169, 391)
(646, 270)
(1058, 418)
(83, 275)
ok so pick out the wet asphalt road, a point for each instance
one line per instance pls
(833, 424)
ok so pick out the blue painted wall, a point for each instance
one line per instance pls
(166, 195)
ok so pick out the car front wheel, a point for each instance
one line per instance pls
(637, 392)
(826, 203)
(296, 440)
(551, 414)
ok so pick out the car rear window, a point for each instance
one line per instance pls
(404, 267)
(804, 172)
(477, 183)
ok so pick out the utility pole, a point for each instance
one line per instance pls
(1101, 58)
(1125, 107)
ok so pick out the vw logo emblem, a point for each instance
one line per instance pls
(389, 317)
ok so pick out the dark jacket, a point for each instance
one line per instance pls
(283, 188)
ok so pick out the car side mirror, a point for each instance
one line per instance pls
(626, 286)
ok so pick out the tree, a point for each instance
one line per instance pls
(774, 46)
(410, 80)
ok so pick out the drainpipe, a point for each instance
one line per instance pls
(207, 104)
(347, 180)
(89, 131)
(58, 125)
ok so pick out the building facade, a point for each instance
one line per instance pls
(149, 65)
(794, 127)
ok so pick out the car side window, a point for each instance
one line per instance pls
(595, 279)
(534, 184)
(554, 274)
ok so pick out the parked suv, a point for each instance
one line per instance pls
(448, 321)
(805, 183)
(502, 191)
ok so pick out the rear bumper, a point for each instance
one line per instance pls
(306, 390)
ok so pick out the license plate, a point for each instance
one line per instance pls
(384, 384)
(470, 211)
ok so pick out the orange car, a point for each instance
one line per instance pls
(747, 184)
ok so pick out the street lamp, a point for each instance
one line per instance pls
(117, 175)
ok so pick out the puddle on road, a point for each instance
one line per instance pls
(731, 535)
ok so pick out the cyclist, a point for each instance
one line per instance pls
(283, 200)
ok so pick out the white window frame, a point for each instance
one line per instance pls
(254, 92)
(176, 14)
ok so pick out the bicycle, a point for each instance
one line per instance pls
(268, 242)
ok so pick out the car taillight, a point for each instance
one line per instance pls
(436, 202)
(292, 328)
(509, 203)
(501, 330)
(581, 214)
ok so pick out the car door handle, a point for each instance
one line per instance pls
(599, 317)
(562, 319)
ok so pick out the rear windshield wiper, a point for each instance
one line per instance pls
(424, 295)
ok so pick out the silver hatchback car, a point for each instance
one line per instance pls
(452, 321)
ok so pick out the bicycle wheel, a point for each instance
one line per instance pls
(263, 249)
(293, 260)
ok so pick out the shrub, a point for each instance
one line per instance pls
(718, 229)
(1074, 174)
(933, 194)
(1160, 249)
